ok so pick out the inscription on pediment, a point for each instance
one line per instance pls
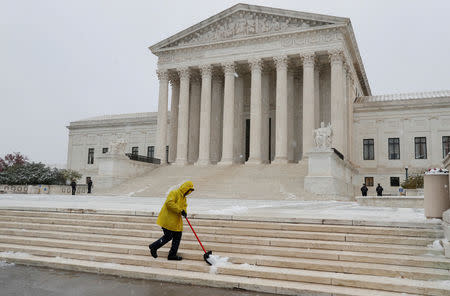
(244, 24)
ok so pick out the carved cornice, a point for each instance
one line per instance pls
(163, 75)
(281, 62)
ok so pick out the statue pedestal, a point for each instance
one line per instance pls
(329, 175)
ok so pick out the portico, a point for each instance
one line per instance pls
(250, 84)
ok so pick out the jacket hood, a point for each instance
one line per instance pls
(186, 186)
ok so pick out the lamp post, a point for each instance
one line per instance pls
(406, 172)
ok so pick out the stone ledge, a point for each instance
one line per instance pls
(391, 201)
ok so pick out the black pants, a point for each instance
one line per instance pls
(73, 191)
(89, 189)
(175, 236)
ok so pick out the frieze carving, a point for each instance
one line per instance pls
(245, 24)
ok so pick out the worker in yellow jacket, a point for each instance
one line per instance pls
(171, 222)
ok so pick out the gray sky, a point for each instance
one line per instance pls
(62, 60)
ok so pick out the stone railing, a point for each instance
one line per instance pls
(391, 201)
(42, 189)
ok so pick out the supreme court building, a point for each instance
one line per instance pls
(249, 86)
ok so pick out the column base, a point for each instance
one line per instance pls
(181, 162)
(203, 162)
(254, 161)
(280, 160)
(225, 162)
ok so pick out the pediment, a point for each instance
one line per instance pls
(244, 21)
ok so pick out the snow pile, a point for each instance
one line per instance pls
(15, 254)
(5, 264)
(217, 261)
(247, 266)
(436, 171)
(436, 245)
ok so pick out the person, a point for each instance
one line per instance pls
(74, 187)
(89, 184)
(364, 189)
(379, 190)
(170, 220)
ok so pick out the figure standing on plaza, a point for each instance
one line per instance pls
(379, 190)
(364, 190)
(170, 220)
(74, 187)
(89, 185)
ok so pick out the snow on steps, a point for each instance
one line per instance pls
(323, 259)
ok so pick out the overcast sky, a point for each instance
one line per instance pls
(62, 61)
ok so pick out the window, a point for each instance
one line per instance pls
(394, 148)
(151, 151)
(395, 181)
(420, 147)
(91, 156)
(368, 149)
(105, 150)
(368, 181)
(135, 150)
(445, 146)
(167, 153)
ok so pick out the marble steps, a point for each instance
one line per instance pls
(333, 226)
(218, 240)
(15, 243)
(379, 282)
(189, 242)
(198, 278)
(234, 231)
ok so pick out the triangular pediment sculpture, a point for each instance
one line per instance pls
(244, 21)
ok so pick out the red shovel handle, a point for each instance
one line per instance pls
(195, 234)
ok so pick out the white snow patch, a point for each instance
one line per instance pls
(437, 245)
(217, 261)
(247, 266)
(229, 211)
(15, 254)
(111, 265)
(5, 264)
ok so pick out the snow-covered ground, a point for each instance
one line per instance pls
(229, 207)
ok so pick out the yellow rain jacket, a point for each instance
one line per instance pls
(170, 214)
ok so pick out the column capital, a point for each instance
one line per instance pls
(255, 64)
(206, 70)
(336, 55)
(174, 79)
(184, 73)
(281, 62)
(229, 67)
(162, 74)
(308, 59)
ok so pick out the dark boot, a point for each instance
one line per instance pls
(174, 257)
(153, 252)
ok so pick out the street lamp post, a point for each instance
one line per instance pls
(406, 172)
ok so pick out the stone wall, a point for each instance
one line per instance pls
(42, 189)
(391, 201)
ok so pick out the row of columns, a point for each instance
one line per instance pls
(179, 124)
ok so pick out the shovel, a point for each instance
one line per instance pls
(207, 254)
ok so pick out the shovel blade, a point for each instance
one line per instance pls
(206, 257)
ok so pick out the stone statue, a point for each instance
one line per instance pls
(322, 137)
(118, 147)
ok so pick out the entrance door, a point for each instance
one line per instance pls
(270, 140)
(247, 139)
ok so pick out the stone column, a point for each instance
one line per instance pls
(175, 82)
(183, 117)
(317, 96)
(216, 117)
(161, 138)
(308, 102)
(228, 114)
(255, 112)
(205, 116)
(194, 117)
(281, 132)
(239, 122)
(337, 99)
(292, 140)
